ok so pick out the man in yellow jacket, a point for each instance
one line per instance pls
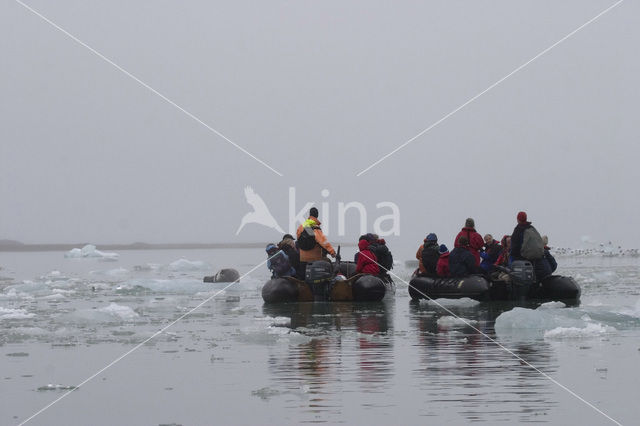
(321, 244)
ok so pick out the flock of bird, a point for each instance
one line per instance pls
(602, 250)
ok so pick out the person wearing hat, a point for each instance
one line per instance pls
(278, 262)
(318, 249)
(428, 255)
(475, 240)
(288, 246)
(442, 268)
(517, 237)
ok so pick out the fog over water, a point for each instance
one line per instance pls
(319, 91)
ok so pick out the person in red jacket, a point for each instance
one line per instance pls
(475, 240)
(367, 261)
(443, 263)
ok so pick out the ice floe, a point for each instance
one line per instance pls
(464, 302)
(184, 265)
(8, 313)
(90, 251)
(449, 321)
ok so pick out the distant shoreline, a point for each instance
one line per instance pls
(16, 246)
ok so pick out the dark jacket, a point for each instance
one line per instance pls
(429, 258)
(382, 252)
(516, 240)
(290, 249)
(443, 265)
(545, 266)
(280, 266)
(552, 260)
(366, 260)
(475, 242)
(490, 255)
(462, 262)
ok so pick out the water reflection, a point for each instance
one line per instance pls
(352, 344)
(462, 370)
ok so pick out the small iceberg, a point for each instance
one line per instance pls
(8, 313)
(184, 265)
(90, 251)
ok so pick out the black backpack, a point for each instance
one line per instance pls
(307, 239)
(430, 256)
(384, 256)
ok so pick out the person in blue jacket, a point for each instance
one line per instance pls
(279, 263)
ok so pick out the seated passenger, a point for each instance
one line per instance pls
(548, 255)
(443, 262)
(547, 265)
(503, 258)
(490, 253)
(288, 246)
(278, 262)
(367, 261)
(379, 247)
(428, 256)
(461, 260)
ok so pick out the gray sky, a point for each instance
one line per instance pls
(319, 90)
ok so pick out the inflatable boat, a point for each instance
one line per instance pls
(522, 287)
(327, 282)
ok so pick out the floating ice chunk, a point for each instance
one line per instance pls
(90, 251)
(183, 286)
(184, 265)
(590, 330)
(464, 302)
(449, 321)
(121, 311)
(111, 313)
(55, 296)
(8, 313)
(51, 387)
(117, 272)
(552, 305)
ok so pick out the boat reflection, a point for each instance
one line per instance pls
(349, 342)
(464, 370)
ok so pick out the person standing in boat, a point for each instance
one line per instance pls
(526, 242)
(475, 240)
(490, 253)
(428, 255)
(367, 260)
(442, 267)
(312, 243)
(461, 260)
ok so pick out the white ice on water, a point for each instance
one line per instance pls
(10, 314)
(90, 251)
(464, 302)
(184, 265)
(550, 321)
(449, 321)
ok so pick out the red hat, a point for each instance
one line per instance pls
(522, 217)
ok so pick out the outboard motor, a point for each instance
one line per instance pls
(319, 277)
(523, 279)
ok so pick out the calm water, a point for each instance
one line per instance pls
(235, 361)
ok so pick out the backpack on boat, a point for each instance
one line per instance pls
(532, 244)
(384, 256)
(430, 256)
(307, 239)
